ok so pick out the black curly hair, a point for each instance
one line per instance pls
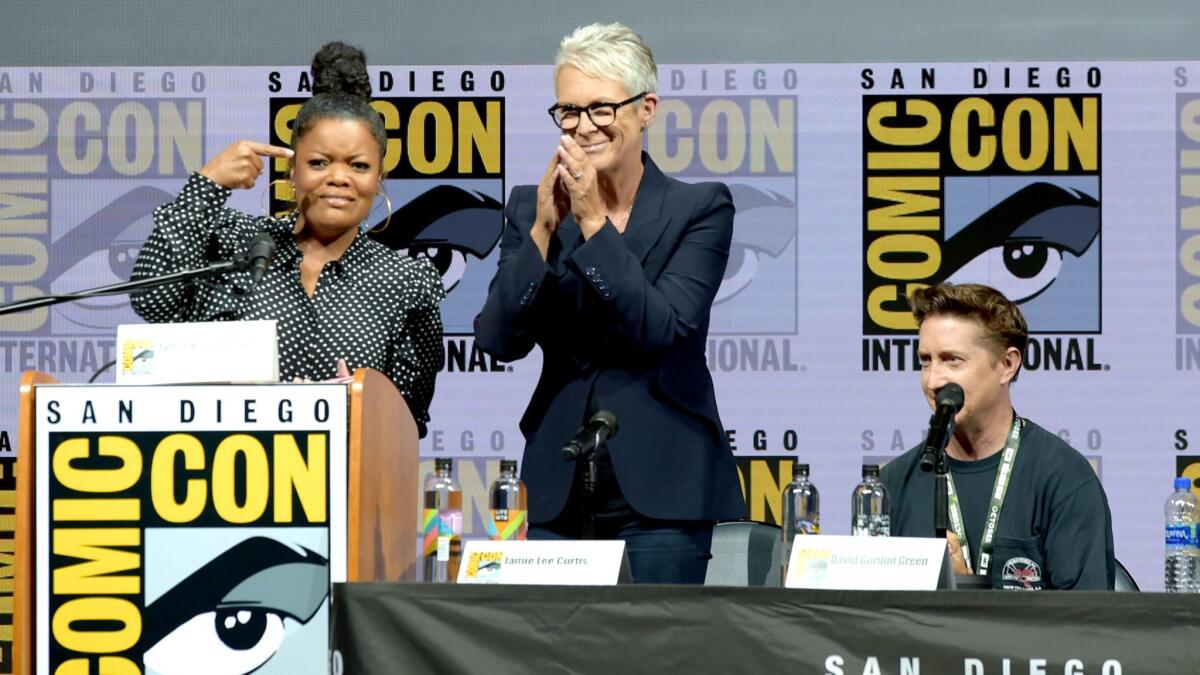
(341, 90)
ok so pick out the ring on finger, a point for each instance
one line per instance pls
(577, 175)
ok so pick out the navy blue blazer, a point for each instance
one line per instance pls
(622, 321)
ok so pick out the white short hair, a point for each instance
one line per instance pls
(610, 52)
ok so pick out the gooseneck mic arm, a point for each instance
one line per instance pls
(933, 455)
(242, 261)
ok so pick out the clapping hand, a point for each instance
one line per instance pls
(578, 176)
(552, 207)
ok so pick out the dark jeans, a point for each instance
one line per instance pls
(660, 551)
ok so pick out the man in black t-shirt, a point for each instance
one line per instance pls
(1026, 509)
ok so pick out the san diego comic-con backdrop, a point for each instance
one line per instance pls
(1072, 187)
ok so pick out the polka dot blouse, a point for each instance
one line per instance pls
(374, 308)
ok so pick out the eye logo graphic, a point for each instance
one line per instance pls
(98, 251)
(1038, 246)
(764, 227)
(444, 224)
(747, 142)
(235, 613)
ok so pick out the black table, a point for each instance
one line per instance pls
(424, 628)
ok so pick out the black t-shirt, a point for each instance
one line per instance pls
(1055, 529)
(973, 482)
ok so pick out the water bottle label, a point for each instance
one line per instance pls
(1180, 535)
(435, 526)
(450, 523)
(443, 549)
(429, 528)
(871, 526)
(506, 524)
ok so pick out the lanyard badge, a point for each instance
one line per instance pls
(999, 490)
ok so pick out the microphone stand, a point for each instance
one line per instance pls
(589, 489)
(950, 399)
(585, 446)
(933, 458)
(941, 495)
(239, 263)
(589, 478)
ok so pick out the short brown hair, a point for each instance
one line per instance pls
(1003, 324)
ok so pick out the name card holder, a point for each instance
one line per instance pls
(869, 563)
(562, 563)
(185, 353)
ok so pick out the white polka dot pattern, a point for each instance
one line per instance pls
(374, 308)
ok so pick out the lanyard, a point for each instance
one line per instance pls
(1003, 474)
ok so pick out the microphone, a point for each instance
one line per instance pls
(257, 259)
(941, 424)
(600, 428)
(262, 250)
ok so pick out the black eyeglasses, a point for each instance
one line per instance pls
(601, 114)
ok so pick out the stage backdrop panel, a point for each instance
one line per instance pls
(853, 182)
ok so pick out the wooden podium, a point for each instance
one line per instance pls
(383, 476)
(380, 472)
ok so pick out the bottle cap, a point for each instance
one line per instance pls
(508, 465)
(1183, 483)
(443, 464)
(870, 470)
(799, 470)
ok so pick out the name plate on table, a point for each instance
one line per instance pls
(211, 351)
(562, 563)
(869, 563)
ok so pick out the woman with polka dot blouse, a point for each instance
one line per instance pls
(335, 293)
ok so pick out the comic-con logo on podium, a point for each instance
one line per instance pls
(999, 189)
(185, 546)
(184, 530)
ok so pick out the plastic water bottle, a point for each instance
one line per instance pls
(801, 510)
(441, 522)
(509, 505)
(1183, 512)
(870, 507)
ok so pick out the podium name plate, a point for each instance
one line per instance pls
(868, 563)
(564, 563)
(188, 526)
(212, 351)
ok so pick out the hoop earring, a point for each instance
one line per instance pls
(264, 202)
(388, 201)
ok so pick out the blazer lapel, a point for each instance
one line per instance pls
(647, 221)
